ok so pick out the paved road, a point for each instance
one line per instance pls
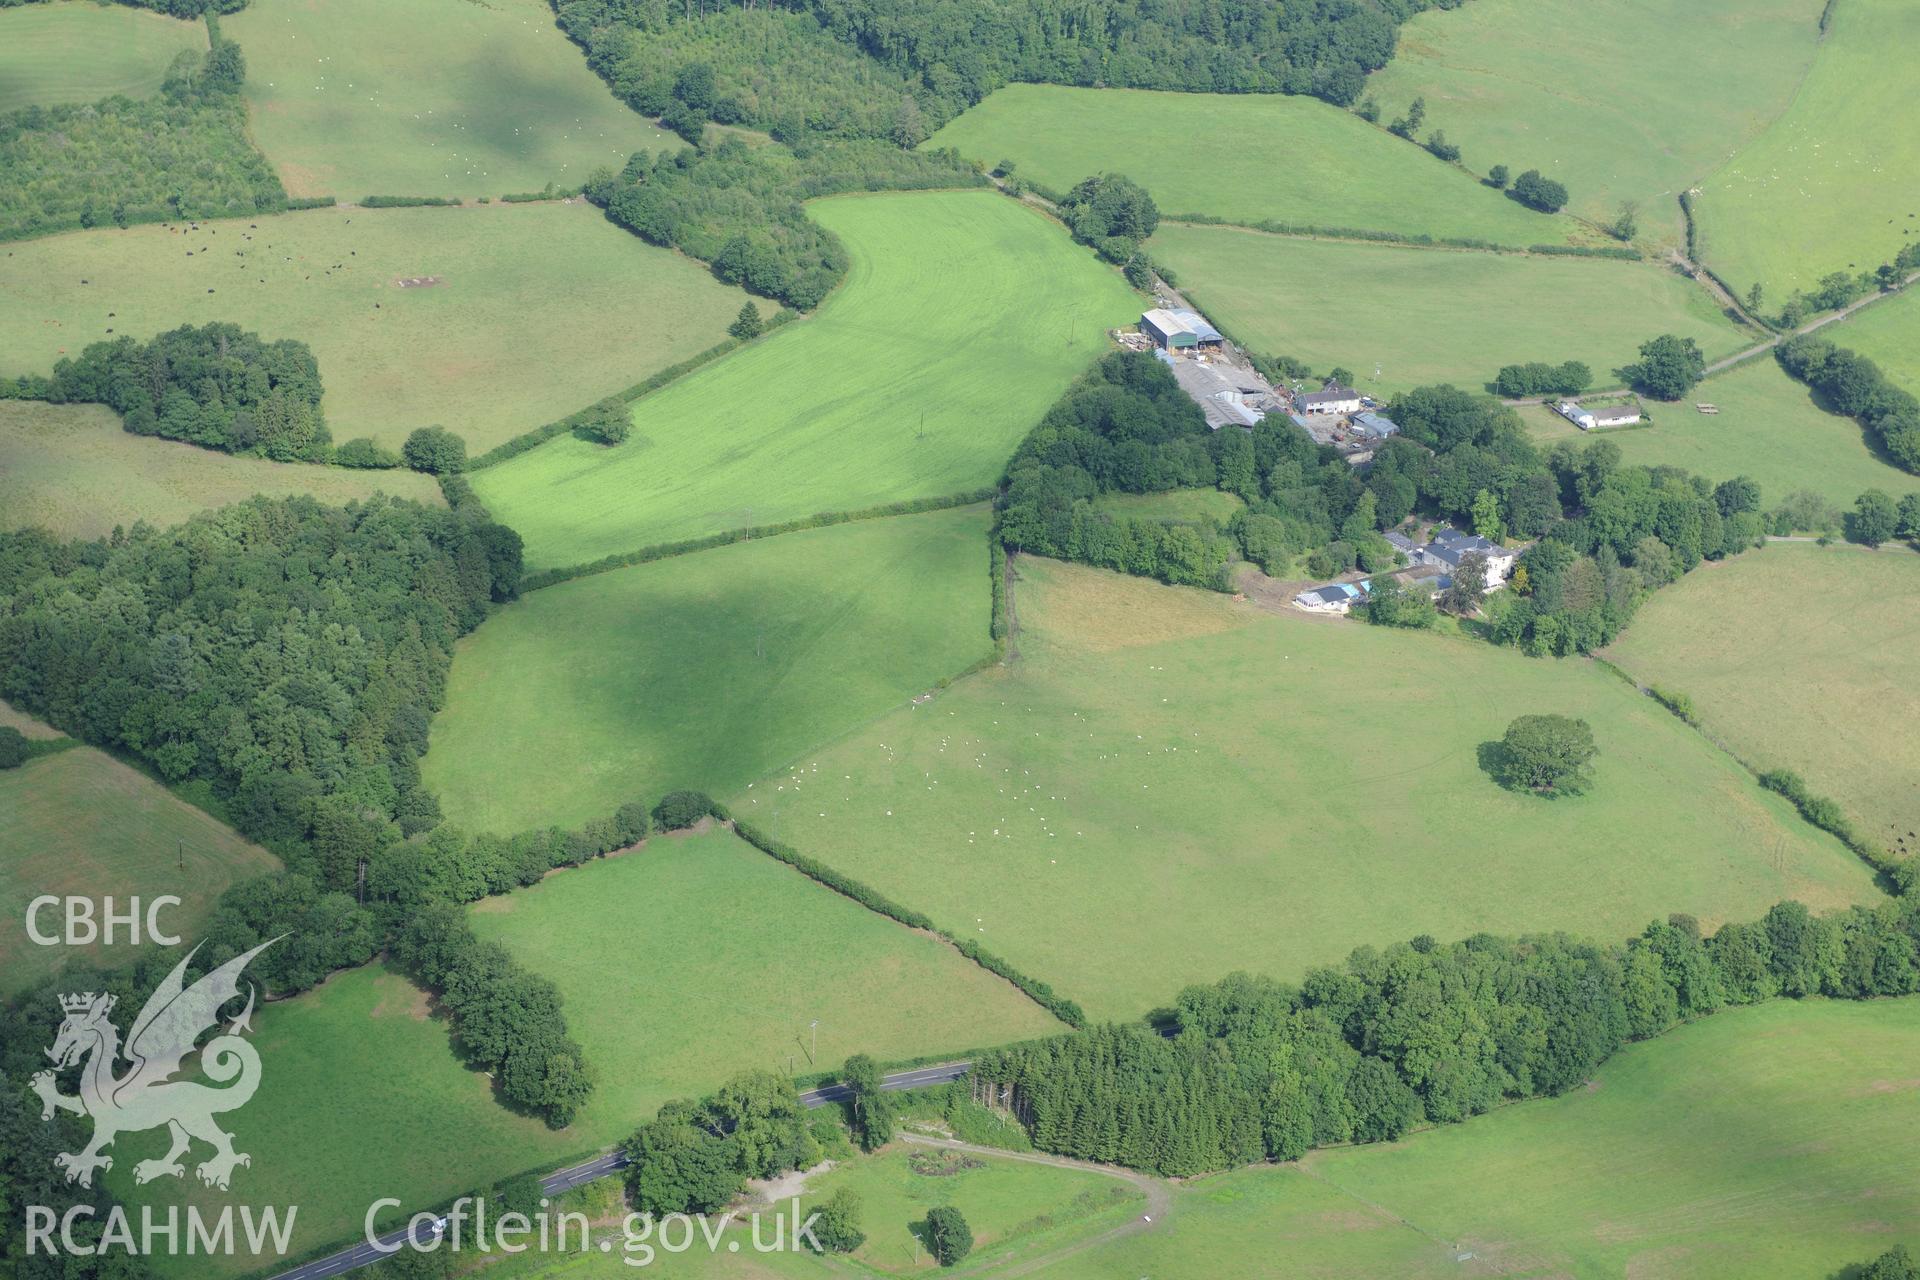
(601, 1166)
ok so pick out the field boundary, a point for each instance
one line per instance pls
(1395, 239)
(1877, 859)
(1041, 993)
(708, 542)
(656, 381)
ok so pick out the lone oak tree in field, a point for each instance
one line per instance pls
(1547, 754)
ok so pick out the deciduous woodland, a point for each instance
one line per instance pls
(858, 601)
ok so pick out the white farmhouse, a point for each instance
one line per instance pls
(1613, 415)
(1330, 400)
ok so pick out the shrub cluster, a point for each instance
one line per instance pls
(216, 386)
(1679, 703)
(1617, 252)
(1854, 386)
(1113, 214)
(1257, 1070)
(409, 202)
(1535, 191)
(1537, 378)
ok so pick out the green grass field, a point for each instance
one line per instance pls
(1638, 100)
(1889, 332)
(1015, 1208)
(1401, 310)
(362, 1096)
(1242, 157)
(1842, 620)
(74, 52)
(1767, 1141)
(1768, 428)
(697, 956)
(80, 822)
(1834, 184)
(704, 670)
(431, 98)
(1168, 786)
(964, 316)
(74, 470)
(541, 309)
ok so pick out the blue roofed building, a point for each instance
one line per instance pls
(1375, 426)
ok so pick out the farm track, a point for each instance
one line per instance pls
(1159, 1200)
(1759, 348)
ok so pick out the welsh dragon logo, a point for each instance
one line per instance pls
(144, 1097)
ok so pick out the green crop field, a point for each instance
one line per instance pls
(1834, 184)
(1766, 1141)
(697, 956)
(1401, 310)
(74, 470)
(75, 52)
(362, 1096)
(1842, 620)
(1242, 157)
(1168, 786)
(1769, 428)
(705, 670)
(1889, 332)
(430, 98)
(1639, 100)
(534, 311)
(80, 822)
(964, 316)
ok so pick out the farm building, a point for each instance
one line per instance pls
(1450, 546)
(1337, 597)
(1375, 426)
(1613, 415)
(1178, 329)
(1331, 400)
(1224, 398)
(1167, 332)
